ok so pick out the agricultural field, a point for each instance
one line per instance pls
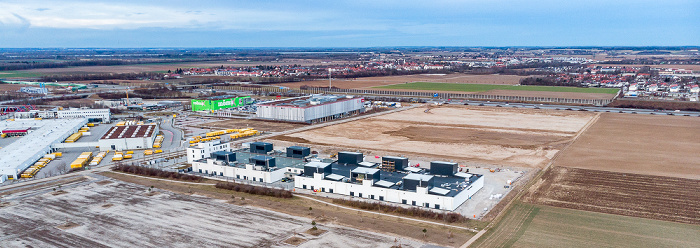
(471, 134)
(647, 196)
(528, 225)
(460, 87)
(20, 74)
(369, 82)
(640, 144)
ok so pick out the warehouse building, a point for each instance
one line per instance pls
(445, 191)
(218, 103)
(93, 115)
(128, 137)
(37, 141)
(246, 164)
(311, 109)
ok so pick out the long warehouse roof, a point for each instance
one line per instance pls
(43, 133)
(133, 131)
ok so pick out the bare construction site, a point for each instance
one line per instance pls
(467, 134)
(96, 211)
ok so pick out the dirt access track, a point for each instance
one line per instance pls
(641, 144)
(471, 134)
(654, 197)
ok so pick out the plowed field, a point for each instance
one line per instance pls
(654, 197)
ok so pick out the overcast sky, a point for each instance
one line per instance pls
(357, 23)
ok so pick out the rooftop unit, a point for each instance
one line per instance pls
(390, 163)
(412, 180)
(260, 147)
(443, 168)
(298, 151)
(350, 157)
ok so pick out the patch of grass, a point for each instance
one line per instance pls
(528, 225)
(487, 87)
(20, 74)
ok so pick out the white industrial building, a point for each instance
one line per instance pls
(205, 149)
(42, 134)
(311, 109)
(445, 188)
(128, 137)
(259, 165)
(93, 115)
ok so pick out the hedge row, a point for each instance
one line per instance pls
(413, 211)
(256, 190)
(151, 172)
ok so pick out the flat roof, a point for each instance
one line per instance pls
(363, 170)
(23, 152)
(462, 174)
(420, 177)
(385, 184)
(412, 169)
(308, 101)
(316, 164)
(335, 177)
(132, 131)
(243, 157)
(439, 191)
(366, 164)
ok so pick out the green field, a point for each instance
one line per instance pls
(487, 87)
(527, 225)
(18, 74)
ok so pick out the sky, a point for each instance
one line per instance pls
(339, 23)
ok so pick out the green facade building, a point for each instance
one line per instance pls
(210, 105)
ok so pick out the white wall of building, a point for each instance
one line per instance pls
(299, 114)
(421, 196)
(103, 114)
(250, 173)
(205, 149)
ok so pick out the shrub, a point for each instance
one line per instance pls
(255, 190)
(145, 171)
(413, 211)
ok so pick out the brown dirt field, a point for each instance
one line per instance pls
(269, 126)
(644, 144)
(11, 87)
(85, 101)
(504, 137)
(654, 197)
(368, 82)
(300, 207)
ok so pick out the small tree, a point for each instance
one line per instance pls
(313, 222)
(425, 232)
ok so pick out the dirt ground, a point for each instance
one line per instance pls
(268, 126)
(647, 196)
(642, 144)
(324, 215)
(126, 214)
(470, 134)
(368, 82)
